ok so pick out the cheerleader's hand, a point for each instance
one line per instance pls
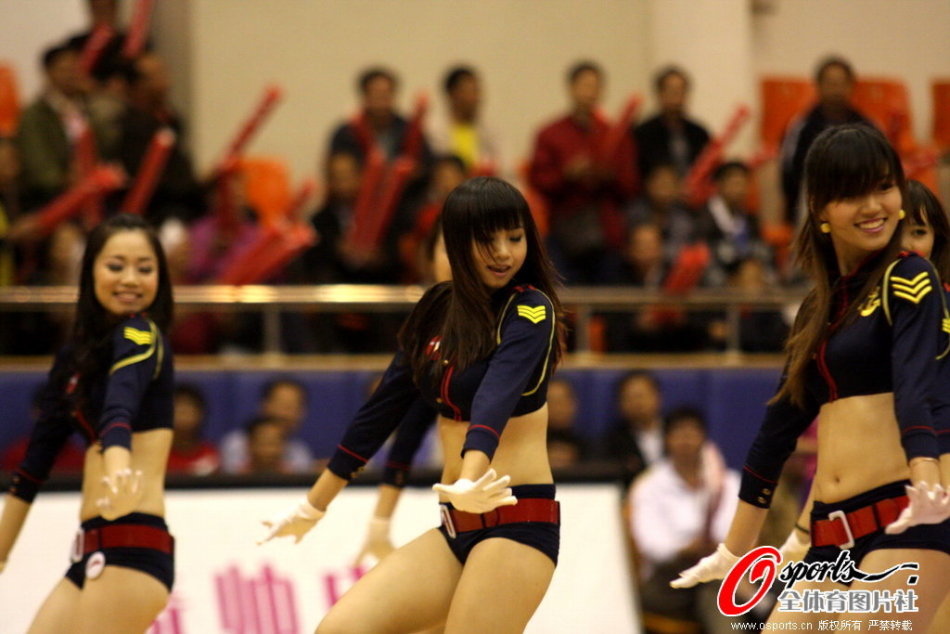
(294, 522)
(377, 544)
(480, 496)
(929, 504)
(714, 566)
(123, 493)
(795, 547)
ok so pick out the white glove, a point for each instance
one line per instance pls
(714, 566)
(378, 544)
(795, 547)
(294, 522)
(928, 505)
(481, 496)
(123, 493)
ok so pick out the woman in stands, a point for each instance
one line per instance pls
(863, 357)
(112, 383)
(480, 349)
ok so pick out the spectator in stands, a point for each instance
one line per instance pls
(834, 81)
(101, 14)
(583, 189)
(266, 447)
(191, 454)
(661, 204)
(670, 137)
(728, 226)
(378, 125)
(759, 330)
(636, 438)
(283, 399)
(566, 447)
(448, 172)
(462, 133)
(50, 126)
(70, 461)
(178, 193)
(680, 508)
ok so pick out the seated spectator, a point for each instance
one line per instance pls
(661, 205)
(636, 438)
(69, 461)
(266, 447)
(650, 328)
(50, 127)
(583, 190)
(462, 133)
(731, 231)
(679, 509)
(178, 193)
(285, 400)
(670, 137)
(448, 172)
(566, 448)
(834, 81)
(191, 454)
(759, 330)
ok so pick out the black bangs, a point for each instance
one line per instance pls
(486, 206)
(847, 161)
(922, 207)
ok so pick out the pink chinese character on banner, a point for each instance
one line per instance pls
(169, 621)
(332, 581)
(263, 604)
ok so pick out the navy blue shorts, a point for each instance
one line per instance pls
(543, 536)
(922, 536)
(152, 562)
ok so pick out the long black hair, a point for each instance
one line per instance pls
(91, 338)
(844, 162)
(460, 312)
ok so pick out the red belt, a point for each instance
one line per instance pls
(125, 536)
(526, 510)
(842, 529)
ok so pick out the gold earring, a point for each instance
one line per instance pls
(825, 227)
(902, 214)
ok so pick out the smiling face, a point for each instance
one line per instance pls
(125, 273)
(500, 259)
(863, 224)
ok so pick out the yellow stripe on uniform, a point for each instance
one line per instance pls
(152, 338)
(140, 337)
(534, 314)
(913, 295)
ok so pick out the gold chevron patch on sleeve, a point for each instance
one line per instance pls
(913, 290)
(140, 337)
(534, 314)
(945, 324)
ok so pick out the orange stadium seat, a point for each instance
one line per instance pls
(887, 104)
(266, 187)
(782, 99)
(940, 91)
(9, 101)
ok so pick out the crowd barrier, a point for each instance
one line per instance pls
(733, 399)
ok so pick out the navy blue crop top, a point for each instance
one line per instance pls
(511, 381)
(894, 344)
(135, 395)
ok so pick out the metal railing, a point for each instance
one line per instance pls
(271, 301)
